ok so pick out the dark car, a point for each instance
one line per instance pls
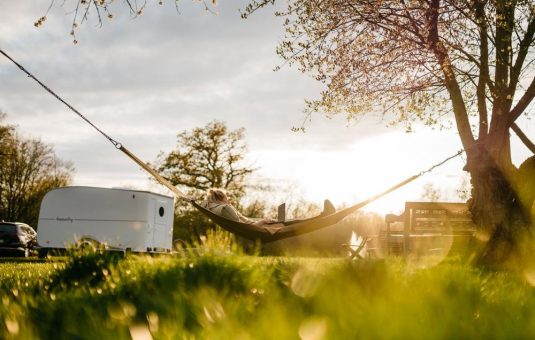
(16, 239)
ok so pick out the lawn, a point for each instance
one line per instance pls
(215, 295)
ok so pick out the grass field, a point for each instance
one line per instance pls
(218, 295)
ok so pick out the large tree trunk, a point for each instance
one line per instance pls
(498, 212)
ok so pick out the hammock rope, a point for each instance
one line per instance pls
(115, 143)
(272, 231)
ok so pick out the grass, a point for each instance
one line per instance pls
(221, 294)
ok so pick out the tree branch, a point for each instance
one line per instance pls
(522, 103)
(504, 31)
(525, 43)
(438, 48)
(483, 71)
(527, 142)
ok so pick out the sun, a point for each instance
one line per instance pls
(368, 167)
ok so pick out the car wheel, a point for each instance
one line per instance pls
(89, 245)
(42, 253)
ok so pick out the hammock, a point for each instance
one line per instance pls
(278, 230)
(266, 233)
(275, 231)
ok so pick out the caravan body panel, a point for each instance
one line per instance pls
(119, 218)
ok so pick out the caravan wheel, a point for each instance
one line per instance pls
(42, 253)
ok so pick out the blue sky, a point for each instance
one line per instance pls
(146, 79)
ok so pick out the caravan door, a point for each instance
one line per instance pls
(162, 230)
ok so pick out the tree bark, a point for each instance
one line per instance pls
(498, 209)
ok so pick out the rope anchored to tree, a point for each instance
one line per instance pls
(168, 184)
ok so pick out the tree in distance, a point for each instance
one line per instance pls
(28, 170)
(206, 157)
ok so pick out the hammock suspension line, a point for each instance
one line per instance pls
(286, 229)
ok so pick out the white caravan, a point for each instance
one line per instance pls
(119, 219)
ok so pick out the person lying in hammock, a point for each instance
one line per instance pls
(217, 202)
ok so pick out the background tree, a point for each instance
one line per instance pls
(5, 134)
(28, 170)
(436, 61)
(208, 157)
(205, 157)
(6, 137)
